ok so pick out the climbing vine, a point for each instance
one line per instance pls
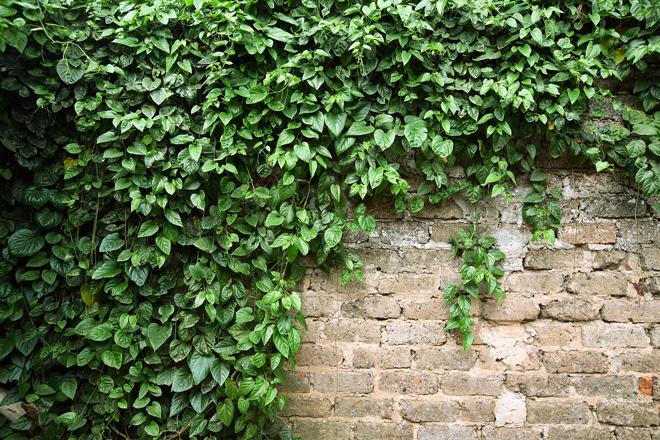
(168, 167)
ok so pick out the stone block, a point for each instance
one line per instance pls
(382, 357)
(598, 283)
(477, 409)
(492, 433)
(424, 308)
(631, 310)
(644, 361)
(429, 410)
(319, 355)
(363, 407)
(562, 411)
(538, 384)
(471, 384)
(615, 387)
(342, 382)
(305, 405)
(567, 260)
(571, 309)
(513, 308)
(603, 335)
(627, 413)
(650, 259)
(581, 233)
(445, 359)
(555, 334)
(383, 431)
(408, 382)
(409, 284)
(447, 210)
(575, 361)
(319, 429)
(579, 433)
(534, 282)
(452, 432)
(353, 330)
(416, 333)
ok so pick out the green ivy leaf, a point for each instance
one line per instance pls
(25, 243)
(158, 334)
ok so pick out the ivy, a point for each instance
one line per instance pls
(479, 273)
(168, 168)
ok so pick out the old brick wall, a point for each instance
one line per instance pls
(571, 353)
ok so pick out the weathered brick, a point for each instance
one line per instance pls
(441, 232)
(318, 304)
(453, 432)
(644, 361)
(429, 410)
(353, 330)
(615, 207)
(650, 259)
(627, 413)
(571, 309)
(382, 357)
(550, 334)
(492, 433)
(636, 232)
(609, 259)
(557, 411)
(424, 308)
(514, 308)
(534, 282)
(476, 409)
(342, 382)
(605, 386)
(655, 335)
(415, 333)
(445, 359)
(319, 429)
(313, 354)
(470, 384)
(575, 361)
(363, 407)
(632, 310)
(296, 382)
(403, 233)
(373, 306)
(305, 405)
(589, 184)
(614, 335)
(409, 284)
(538, 385)
(408, 382)
(416, 260)
(381, 260)
(579, 433)
(570, 260)
(623, 433)
(384, 431)
(598, 283)
(581, 233)
(313, 331)
(447, 210)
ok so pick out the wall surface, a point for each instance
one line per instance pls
(571, 353)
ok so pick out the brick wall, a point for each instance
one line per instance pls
(571, 353)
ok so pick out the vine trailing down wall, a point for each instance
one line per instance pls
(167, 166)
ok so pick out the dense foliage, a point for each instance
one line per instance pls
(167, 165)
